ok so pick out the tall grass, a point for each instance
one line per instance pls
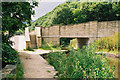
(108, 43)
(83, 63)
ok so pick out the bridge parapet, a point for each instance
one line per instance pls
(107, 28)
(90, 30)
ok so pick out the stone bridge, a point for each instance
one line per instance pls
(84, 32)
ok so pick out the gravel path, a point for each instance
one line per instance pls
(35, 66)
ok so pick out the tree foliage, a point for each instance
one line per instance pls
(78, 12)
(14, 14)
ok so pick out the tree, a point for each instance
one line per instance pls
(79, 16)
(79, 12)
(14, 14)
(63, 16)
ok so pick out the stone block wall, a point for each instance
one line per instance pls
(76, 30)
(92, 30)
(107, 28)
(33, 41)
(54, 40)
(87, 29)
(50, 31)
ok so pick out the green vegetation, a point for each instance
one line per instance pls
(29, 49)
(83, 63)
(109, 44)
(18, 74)
(73, 43)
(19, 71)
(15, 15)
(106, 44)
(65, 41)
(21, 31)
(79, 12)
(9, 56)
(49, 46)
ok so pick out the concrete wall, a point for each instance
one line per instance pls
(82, 42)
(91, 30)
(19, 42)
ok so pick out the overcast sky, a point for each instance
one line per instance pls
(45, 7)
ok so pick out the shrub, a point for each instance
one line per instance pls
(83, 63)
(9, 55)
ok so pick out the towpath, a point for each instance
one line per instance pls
(35, 66)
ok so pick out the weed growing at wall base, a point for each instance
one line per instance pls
(83, 63)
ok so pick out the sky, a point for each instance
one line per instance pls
(45, 7)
